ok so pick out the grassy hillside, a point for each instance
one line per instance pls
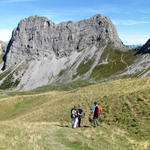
(116, 62)
(40, 119)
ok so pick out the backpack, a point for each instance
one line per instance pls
(98, 110)
(74, 113)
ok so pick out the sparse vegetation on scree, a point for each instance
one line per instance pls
(40, 119)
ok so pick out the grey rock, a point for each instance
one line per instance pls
(46, 49)
(37, 37)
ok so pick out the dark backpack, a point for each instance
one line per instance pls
(74, 113)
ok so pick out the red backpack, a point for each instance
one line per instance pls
(99, 110)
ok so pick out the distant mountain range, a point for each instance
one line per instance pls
(41, 52)
(135, 46)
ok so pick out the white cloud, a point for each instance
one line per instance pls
(129, 22)
(5, 34)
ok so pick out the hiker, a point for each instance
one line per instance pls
(80, 115)
(97, 111)
(74, 117)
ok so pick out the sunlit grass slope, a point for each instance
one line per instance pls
(41, 120)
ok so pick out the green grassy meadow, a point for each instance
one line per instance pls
(40, 119)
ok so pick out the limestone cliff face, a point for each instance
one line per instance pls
(44, 53)
(38, 37)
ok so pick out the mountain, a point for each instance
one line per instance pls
(135, 46)
(145, 48)
(38, 37)
(41, 52)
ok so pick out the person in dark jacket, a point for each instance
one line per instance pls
(74, 117)
(95, 117)
(80, 115)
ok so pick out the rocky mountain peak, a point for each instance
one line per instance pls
(35, 21)
(98, 18)
(42, 52)
(39, 37)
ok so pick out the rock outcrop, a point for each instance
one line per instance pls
(38, 37)
(44, 53)
(145, 48)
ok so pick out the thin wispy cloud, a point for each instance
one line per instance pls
(102, 9)
(129, 22)
(15, 1)
(66, 14)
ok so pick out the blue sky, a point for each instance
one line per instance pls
(130, 17)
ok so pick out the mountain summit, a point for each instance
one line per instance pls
(38, 37)
(41, 52)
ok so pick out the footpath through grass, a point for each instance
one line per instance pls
(53, 136)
